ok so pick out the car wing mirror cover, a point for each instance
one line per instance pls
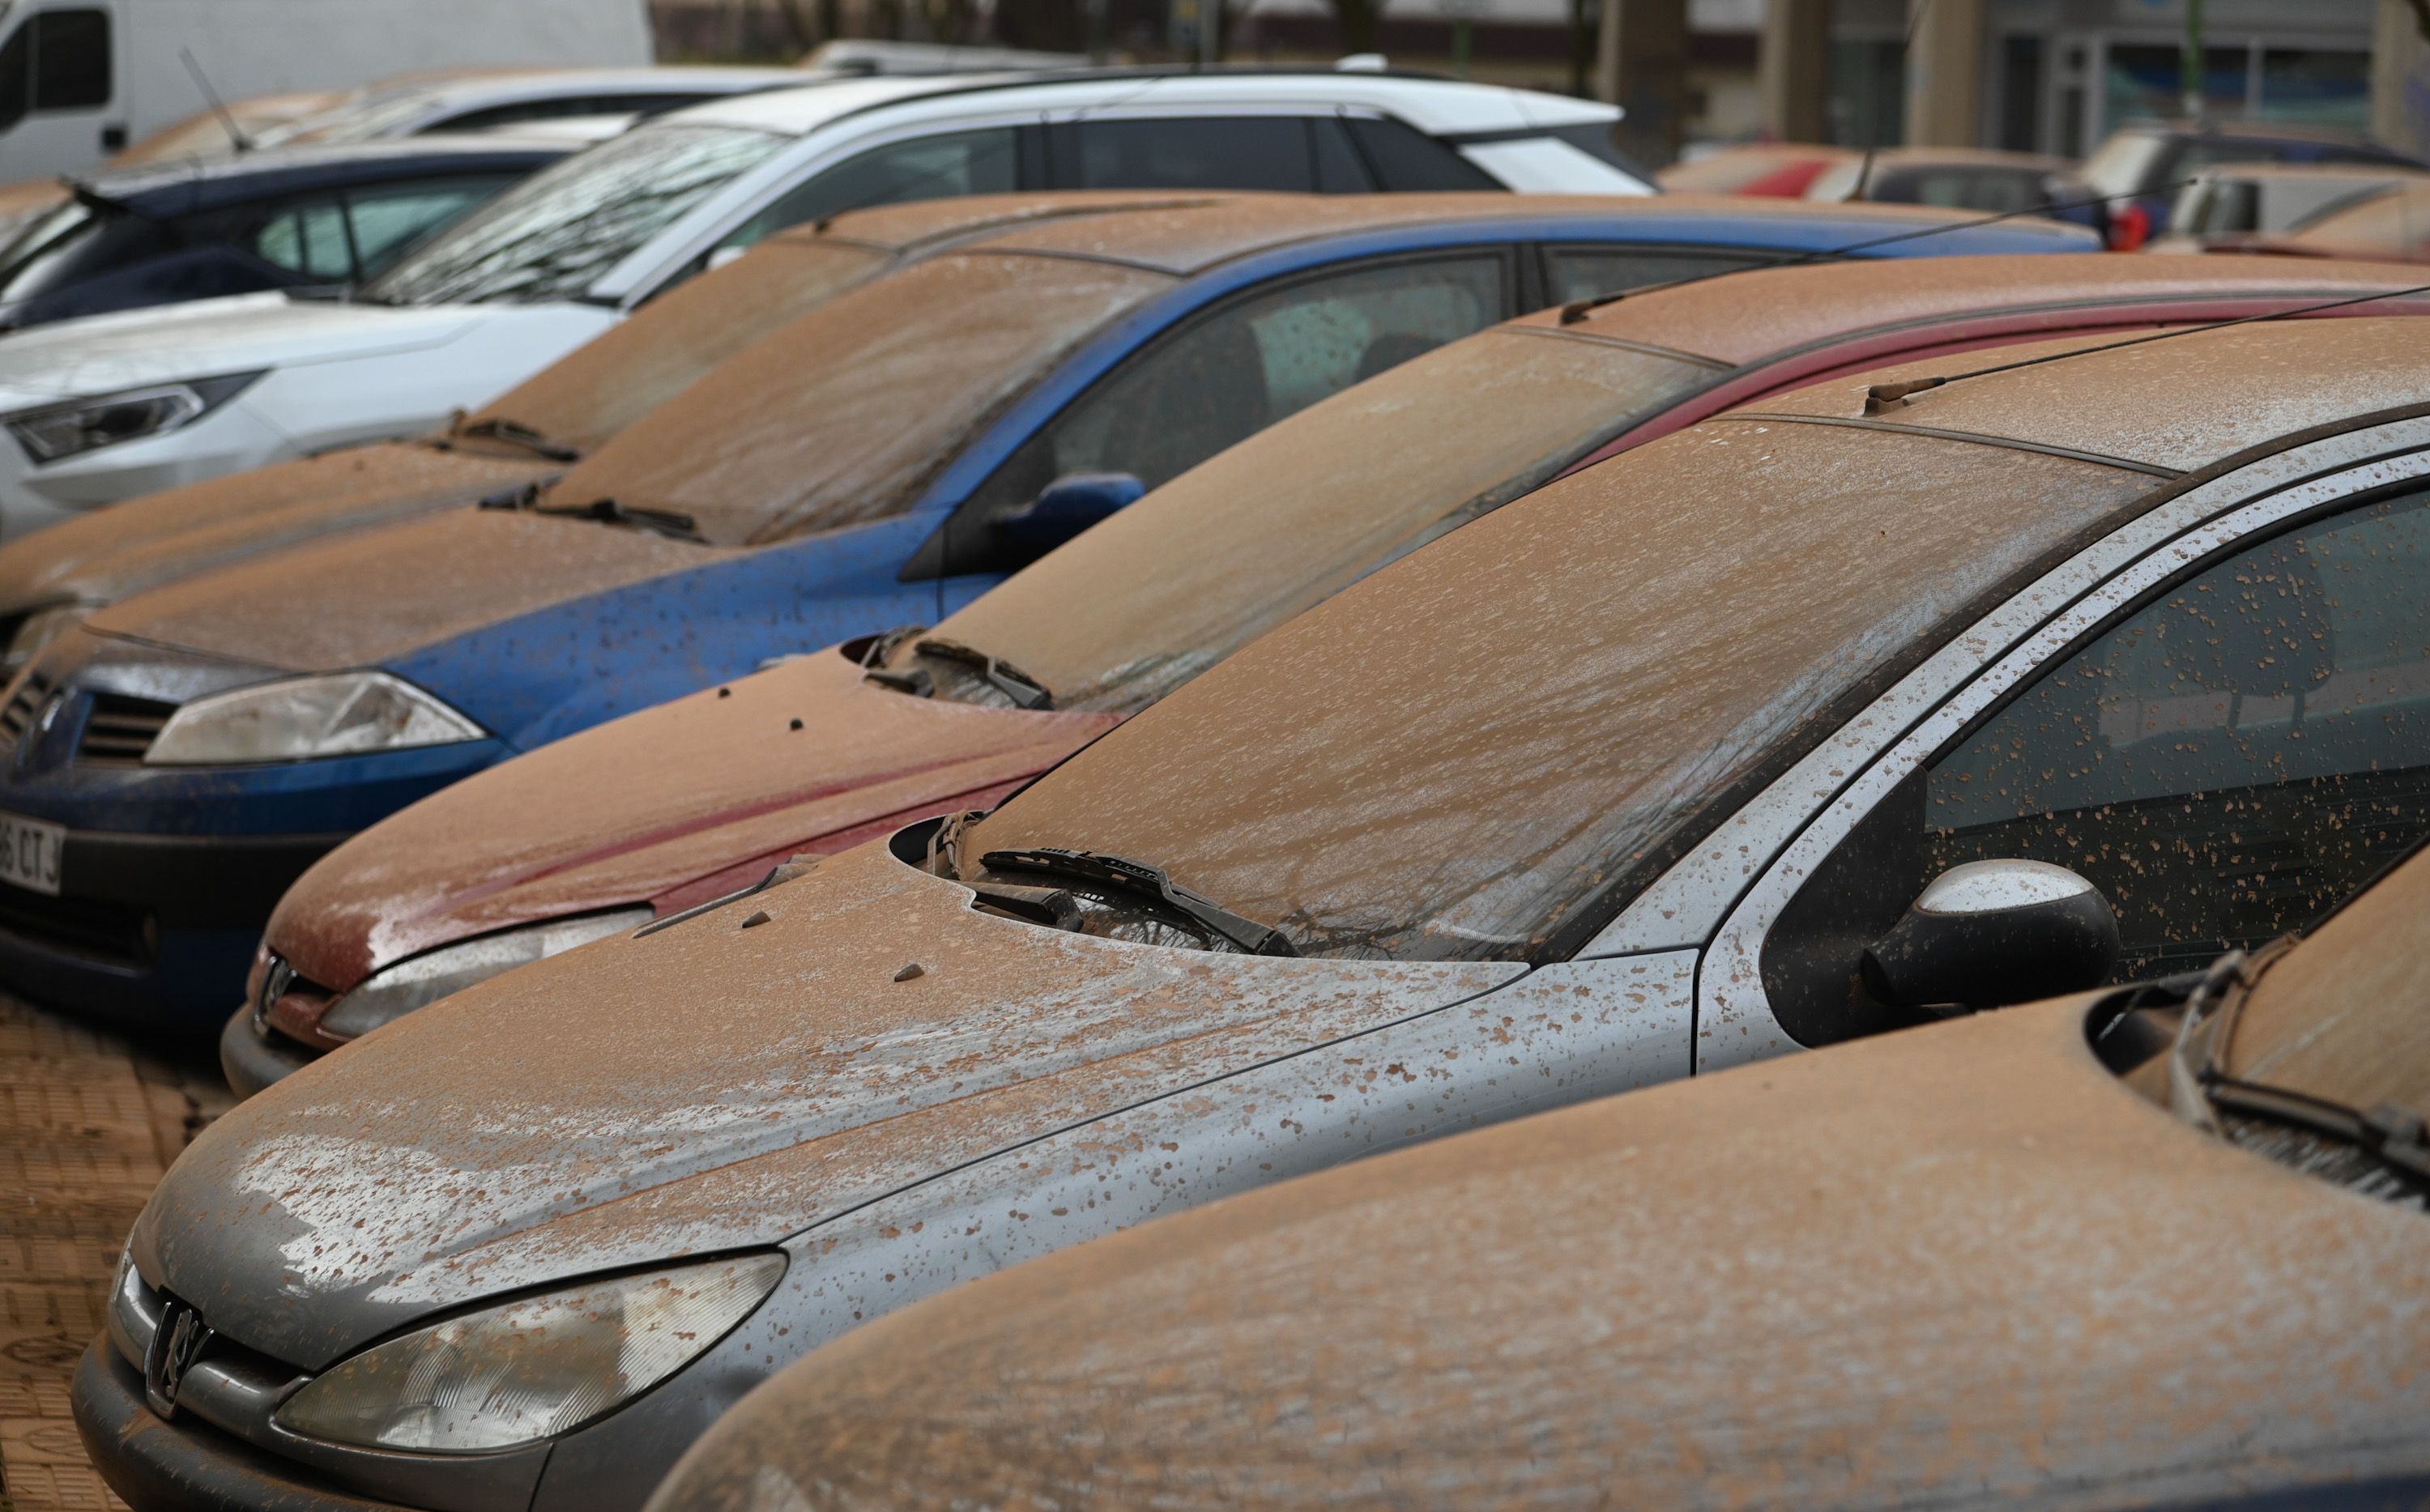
(1992, 933)
(1069, 505)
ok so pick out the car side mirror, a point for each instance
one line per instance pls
(1992, 933)
(1065, 507)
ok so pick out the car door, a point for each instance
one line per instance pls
(1212, 378)
(2219, 717)
(60, 111)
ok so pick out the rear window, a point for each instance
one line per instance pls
(1460, 756)
(842, 417)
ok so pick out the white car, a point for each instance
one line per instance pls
(103, 410)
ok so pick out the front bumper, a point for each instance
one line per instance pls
(252, 1060)
(181, 1467)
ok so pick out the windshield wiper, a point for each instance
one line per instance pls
(1145, 881)
(2395, 1136)
(668, 522)
(515, 433)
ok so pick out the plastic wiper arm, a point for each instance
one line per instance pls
(515, 433)
(668, 522)
(1024, 690)
(1138, 877)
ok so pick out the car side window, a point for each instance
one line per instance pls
(1242, 366)
(961, 162)
(1269, 152)
(388, 219)
(1583, 272)
(307, 238)
(1406, 160)
(2227, 763)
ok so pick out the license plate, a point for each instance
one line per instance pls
(29, 852)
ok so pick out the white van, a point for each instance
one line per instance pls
(81, 79)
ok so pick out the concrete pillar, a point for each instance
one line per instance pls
(2400, 75)
(1641, 66)
(1944, 74)
(1794, 68)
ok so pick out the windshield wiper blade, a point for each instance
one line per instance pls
(515, 433)
(668, 522)
(1147, 881)
(1024, 690)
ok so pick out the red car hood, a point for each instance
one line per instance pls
(672, 806)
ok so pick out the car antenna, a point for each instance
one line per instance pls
(1881, 398)
(1578, 309)
(1873, 138)
(219, 107)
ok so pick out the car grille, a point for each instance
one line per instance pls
(117, 934)
(121, 729)
(19, 713)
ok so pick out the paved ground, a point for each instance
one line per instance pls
(87, 1125)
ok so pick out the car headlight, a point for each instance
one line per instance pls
(346, 713)
(53, 432)
(533, 1367)
(37, 630)
(419, 982)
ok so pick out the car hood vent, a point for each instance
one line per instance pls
(120, 729)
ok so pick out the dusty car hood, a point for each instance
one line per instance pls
(336, 603)
(103, 353)
(123, 550)
(645, 807)
(1959, 1266)
(706, 1087)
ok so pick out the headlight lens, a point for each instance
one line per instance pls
(37, 630)
(344, 714)
(425, 979)
(534, 1367)
(57, 431)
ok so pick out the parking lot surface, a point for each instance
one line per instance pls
(87, 1126)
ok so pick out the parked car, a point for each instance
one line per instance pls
(2393, 225)
(529, 434)
(2153, 160)
(1765, 168)
(2228, 204)
(198, 138)
(603, 831)
(2003, 1262)
(300, 218)
(886, 457)
(1618, 783)
(567, 254)
(79, 82)
(1993, 183)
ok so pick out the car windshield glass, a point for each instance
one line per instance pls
(2125, 161)
(1458, 757)
(2393, 225)
(553, 233)
(1178, 581)
(842, 417)
(607, 383)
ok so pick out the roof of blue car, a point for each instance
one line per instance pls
(1188, 239)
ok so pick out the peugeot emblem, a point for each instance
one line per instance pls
(176, 1344)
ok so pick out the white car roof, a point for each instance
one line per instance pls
(1443, 106)
(476, 89)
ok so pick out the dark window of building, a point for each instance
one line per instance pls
(2021, 93)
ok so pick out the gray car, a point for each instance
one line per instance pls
(1891, 699)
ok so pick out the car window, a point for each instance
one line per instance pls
(1583, 272)
(307, 239)
(1230, 374)
(1406, 160)
(554, 233)
(389, 218)
(71, 60)
(1476, 752)
(2226, 764)
(1339, 168)
(944, 167)
(1993, 192)
(1189, 573)
(842, 417)
(1238, 152)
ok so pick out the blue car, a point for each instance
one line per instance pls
(170, 767)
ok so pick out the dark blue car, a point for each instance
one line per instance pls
(295, 217)
(169, 768)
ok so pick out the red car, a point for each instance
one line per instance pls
(680, 803)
